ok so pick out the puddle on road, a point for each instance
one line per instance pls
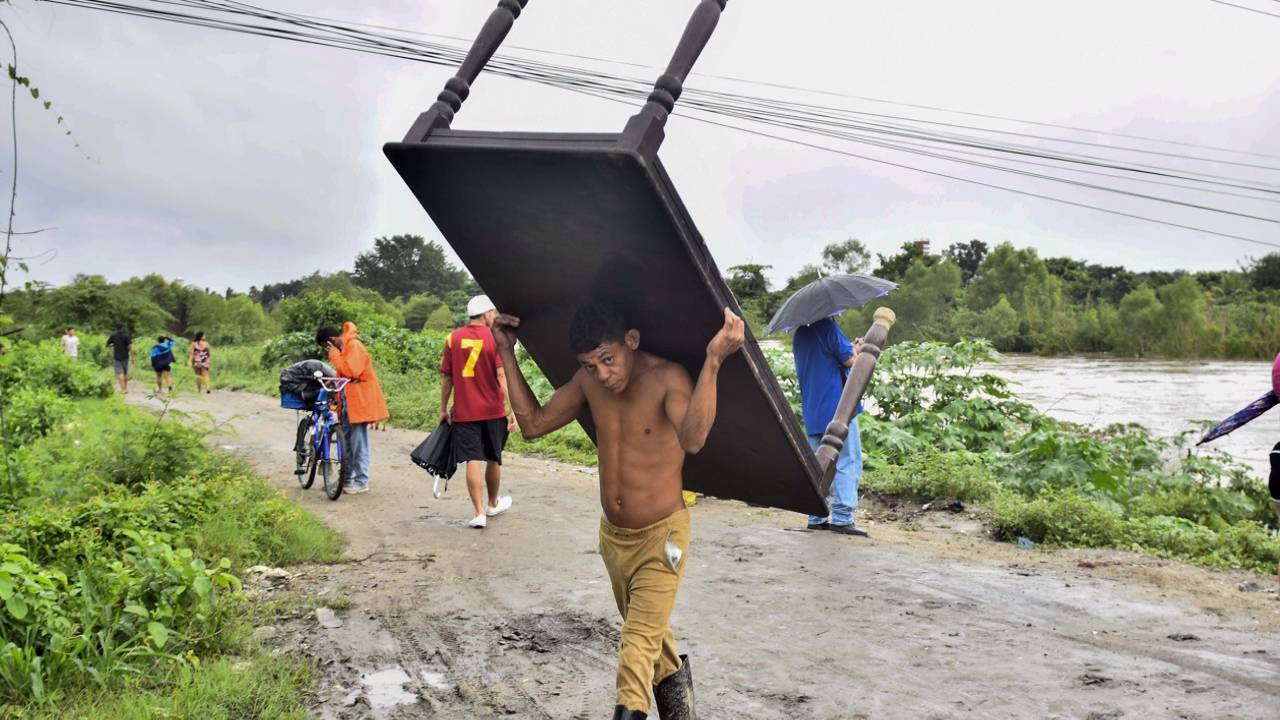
(434, 680)
(385, 688)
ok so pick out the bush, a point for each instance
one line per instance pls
(31, 413)
(1057, 517)
(44, 365)
(940, 429)
(932, 475)
(118, 541)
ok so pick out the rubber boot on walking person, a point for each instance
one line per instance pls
(364, 402)
(472, 373)
(1274, 484)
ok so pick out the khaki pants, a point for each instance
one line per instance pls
(645, 567)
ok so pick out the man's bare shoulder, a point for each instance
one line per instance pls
(671, 375)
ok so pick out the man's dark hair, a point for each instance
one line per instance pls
(596, 324)
(199, 336)
(119, 327)
(326, 332)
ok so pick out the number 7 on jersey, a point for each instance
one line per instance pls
(475, 345)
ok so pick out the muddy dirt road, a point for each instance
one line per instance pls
(926, 620)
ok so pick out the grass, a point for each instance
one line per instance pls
(259, 687)
(115, 513)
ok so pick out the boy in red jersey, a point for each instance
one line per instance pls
(473, 374)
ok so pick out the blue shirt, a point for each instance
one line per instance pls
(820, 350)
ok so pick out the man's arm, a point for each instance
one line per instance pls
(535, 419)
(351, 361)
(693, 413)
(502, 390)
(446, 389)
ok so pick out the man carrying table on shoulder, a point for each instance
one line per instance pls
(648, 416)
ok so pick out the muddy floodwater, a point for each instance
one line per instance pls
(1164, 395)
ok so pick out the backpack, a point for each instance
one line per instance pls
(162, 360)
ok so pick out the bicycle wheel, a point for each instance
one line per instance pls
(304, 451)
(333, 463)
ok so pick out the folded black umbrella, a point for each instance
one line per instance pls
(435, 455)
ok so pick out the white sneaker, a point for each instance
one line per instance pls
(478, 522)
(504, 504)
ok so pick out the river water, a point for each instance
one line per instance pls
(1163, 395)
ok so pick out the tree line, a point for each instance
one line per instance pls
(1059, 305)
(1008, 295)
(404, 281)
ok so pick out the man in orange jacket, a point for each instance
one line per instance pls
(365, 403)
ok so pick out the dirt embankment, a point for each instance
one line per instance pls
(925, 620)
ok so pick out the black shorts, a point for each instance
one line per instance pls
(479, 440)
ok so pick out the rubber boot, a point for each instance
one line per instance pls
(1276, 504)
(674, 695)
(1273, 485)
(620, 712)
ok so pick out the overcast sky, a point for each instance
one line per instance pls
(233, 161)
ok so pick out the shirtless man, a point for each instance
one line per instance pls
(648, 416)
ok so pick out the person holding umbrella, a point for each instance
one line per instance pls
(823, 356)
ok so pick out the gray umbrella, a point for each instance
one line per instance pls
(827, 297)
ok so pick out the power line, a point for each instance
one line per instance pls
(972, 181)
(785, 86)
(1001, 187)
(397, 47)
(813, 119)
(1242, 7)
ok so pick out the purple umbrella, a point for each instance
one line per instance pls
(1249, 412)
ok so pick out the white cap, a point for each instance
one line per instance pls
(479, 305)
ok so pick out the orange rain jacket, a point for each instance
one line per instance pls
(365, 403)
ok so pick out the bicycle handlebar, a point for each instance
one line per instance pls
(333, 385)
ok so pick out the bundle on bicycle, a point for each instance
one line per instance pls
(319, 443)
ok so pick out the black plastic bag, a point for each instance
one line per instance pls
(299, 378)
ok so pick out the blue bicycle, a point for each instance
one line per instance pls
(321, 442)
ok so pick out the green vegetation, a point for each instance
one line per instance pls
(224, 688)
(1022, 302)
(940, 429)
(120, 541)
(404, 281)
